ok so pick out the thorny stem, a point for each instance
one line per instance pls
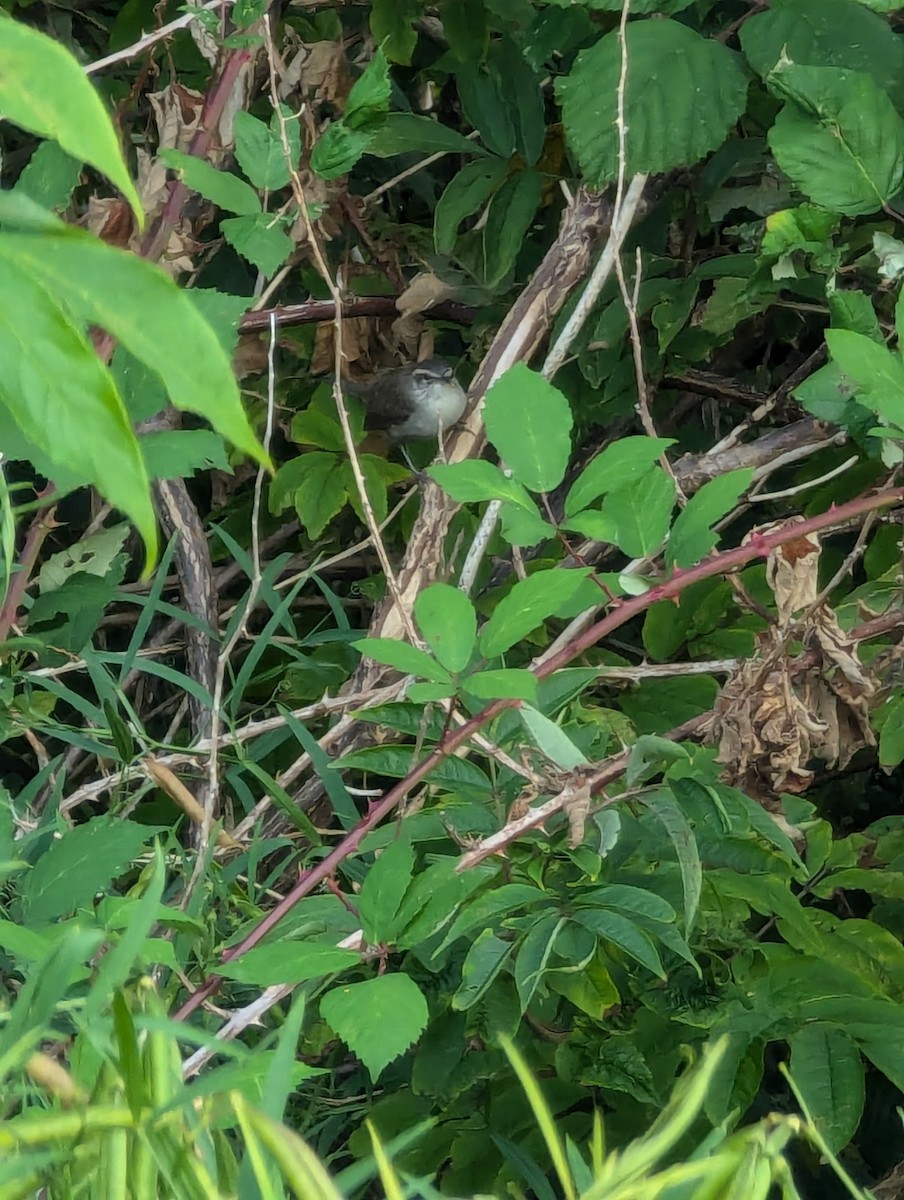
(758, 546)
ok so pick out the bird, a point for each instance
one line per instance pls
(419, 400)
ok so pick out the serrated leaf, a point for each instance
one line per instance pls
(377, 1019)
(446, 618)
(877, 372)
(404, 657)
(683, 94)
(619, 464)
(526, 606)
(315, 484)
(260, 238)
(259, 148)
(226, 191)
(840, 141)
(529, 422)
(179, 453)
(81, 863)
(43, 89)
(402, 133)
(692, 535)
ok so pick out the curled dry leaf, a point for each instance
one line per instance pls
(779, 718)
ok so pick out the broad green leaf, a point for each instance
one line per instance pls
(485, 108)
(377, 1019)
(618, 465)
(629, 899)
(368, 101)
(463, 196)
(502, 684)
(820, 33)
(315, 484)
(396, 761)
(144, 309)
(429, 693)
(446, 618)
(551, 739)
(486, 957)
(533, 954)
(617, 929)
(840, 140)
(317, 427)
(526, 606)
(260, 238)
(476, 479)
(512, 211)
(650, 755)
(81, 863)
(827, 1068)
(259, 148)
(522, 528)
(50, 177)
(692, 535)
(529, 422)
(877, 372)
(402, 133)
(383, 890)
(642, 512)
(219, 187)
(338, 149)
(683, 94)
(288, 962)
(43, 89)
(490, 907)
(392, 26)
(62, 398)
(404, 657)
(179, 453)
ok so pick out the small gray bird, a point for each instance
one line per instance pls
(421, 400)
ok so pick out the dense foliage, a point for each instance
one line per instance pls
(526, 824)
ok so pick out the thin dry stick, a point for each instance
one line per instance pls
(323, 269)
(151, 39)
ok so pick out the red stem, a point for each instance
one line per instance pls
(758, 546)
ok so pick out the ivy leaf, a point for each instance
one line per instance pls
(377, 1019)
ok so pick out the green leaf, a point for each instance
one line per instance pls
(288, 962)
(219, 187)
(642, 512)
(368, 101)
(827, 1069)
(179, 453)
(338, 149)
(521, 528)
(259, 148)
(486, 957)
(446, 618)
(891, 735)
(651, 755)
(819, 33)
(464, 195)
(623, 896)
(474, 480)
(485, 109)
(43, 89)
(316, 484)
(50, 177)
(551, 739)
(83, 862)
(663, 806)
(145, 310)
(503, 684)
(624, 462)
(683, 94)
(383, 890)
(616, 928)
(529, 422)
(692, 535)
(260, 238)
(404, 657)
(403, 133)
(510, 217)
(62, 398)
(392, 26)
(877, 372)
(534, 953)
(378, 1019)
(526, 606)
(841, 141)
